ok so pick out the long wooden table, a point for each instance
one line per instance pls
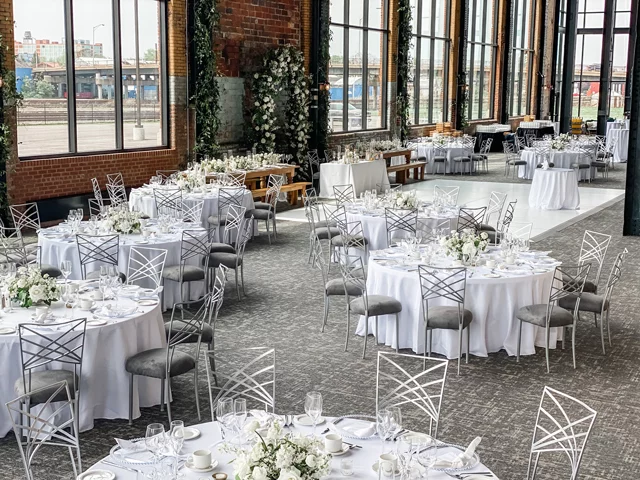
(258, 178)
(418, 171)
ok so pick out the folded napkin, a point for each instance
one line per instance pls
(356, 428)
(128, 446)
(462, 459)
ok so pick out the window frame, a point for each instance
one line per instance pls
(529, 24)
(364, 29)
(492, 47)
(72, 130)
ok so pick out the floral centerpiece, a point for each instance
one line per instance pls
(465, 247)
(404, 200)
(279, 456)
(561, 142)
(30, 286)
(350, 156)
(234, 163)
(376, 146)
(190, 179)
(122, 220)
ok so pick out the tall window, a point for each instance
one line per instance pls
(521, 56)
(92, 75)
(429, 61)
(559, 57)
(589, 43)
(358, 65)
(481, 56)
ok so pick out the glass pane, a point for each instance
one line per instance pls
(581, 20)
(356, 12)
(529, 24)
(594, 20)
(480, 19)
(95, 94)
(374, 80)
(477, 79)
(595, 6)
(425, 82)
(441, 23)
(41, 76)
(623, 19)
(414, 16)
(354, 107)
(623, 5)
(336, 79)
(515, 87)
(440, 58)
(490, 34)
(426, 16)
(575, 111)
(487, 89)
(141, 81)
(524, 87)
(336, 11)
(411, 82)
(376, 14)
(618, 75)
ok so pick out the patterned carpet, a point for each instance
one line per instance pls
(494, 397)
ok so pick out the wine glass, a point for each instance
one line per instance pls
(240, 413)
(154, 439)
(395, 421)
(313, 408)
(176, 440)
(65, 268)
(225, 415)
(426, 452)
(383, 426)
(10, 275)
(406, 449)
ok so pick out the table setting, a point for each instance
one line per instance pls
(500, 280)
(564, 151)
(554, 189)
(259, 445)
(350, 169)
(454, 147)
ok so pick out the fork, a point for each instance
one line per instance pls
(462, 476)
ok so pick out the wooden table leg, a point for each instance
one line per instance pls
(293, 199)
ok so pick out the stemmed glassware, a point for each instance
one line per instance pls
(176, 440)
(313, 408)
(240, 413)
(406, 449)
(426, 452)
(9, 275)
(225, 415)
(155, 439)
(388, 423)
(65, 268)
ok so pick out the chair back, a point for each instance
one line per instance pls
(485, 148)
(616, 273)
(95, 209)
(352, 235)
(194, 244)
(192, 212)
(439, 150)
(234, 222)
(146, 266)
(344, 194)
(186, 322)
(103, 249)
(354, 274)
(520, 231)
(530, 138)
(168, 200)
(335, 216)
(273, 191)
(97, 192)
(228, 196)
(314, 162)
(521, 143)
(115, 179)
(403, 381)
(318, 260)
(496, 204)
(442, 283)
(507, 218)
(217, 294)
(12, 247)
(236, 179)
(567, 281)
(470, 218)
(166, 175)
(594, 250)
(243, 237)
(25, 216)
(563, 425)
(44, 427)
(117, 194)
(248, 373)
(430, 234)
(400, 221)
(448, 193)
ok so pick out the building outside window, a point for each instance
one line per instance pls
(522, 50)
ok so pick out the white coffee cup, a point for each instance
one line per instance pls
(491, 263)
(145, 233)
(97, 295)
(510, 259)
(86, 303)
(201, 459)
(41, 313)
(388, 464)
(73, 287)
(333, 443)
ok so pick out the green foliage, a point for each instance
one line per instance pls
(404, 45)
(323, 77)
(150, 55)
(37, 88)
(207, 95)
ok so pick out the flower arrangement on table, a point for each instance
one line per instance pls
(376, 146)
(467, 246)
(235, 163)
(122, 220)
(279, 456)
(30, 286)
(350, 156)
(561, 142)
(404, 200)
(191, 179)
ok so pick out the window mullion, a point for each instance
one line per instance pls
(71, 76)
(117, 74)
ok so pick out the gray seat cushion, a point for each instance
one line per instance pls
(224, 258)
(461, 159)
(152, 363)
(337, 241)
(589, 302)
(580, 166)
(324, 233)
(259, 214)
(336, 287)
(605, 154)
(222, 247)
(213, 220)
(485, 227)
(599, 164)
(517, 163)
(96, 274)
(439, 159)
(262, 205)
(378, 305)
(589, 286)
(207, 332)
(478, 157)
(537, 315)
(191, 273)
(52, 271)
(447, 317)
(43, 379)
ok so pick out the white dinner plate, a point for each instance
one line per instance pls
(539, 270)
(147, 303)
(97, 475)
(96, 323)
(130, 288)
(7, 330)
(305, 420)
(375, 469)
(189, 433)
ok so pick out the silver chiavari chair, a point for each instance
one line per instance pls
(447, 192)
(97, 192)
(98, 249)
(170, 361)
(567, 281)
(314, 166)
(194, 252)
(563, 425)
(334, 216)
(503, 224)
(115, 179)
(117, 194)
(351, 237)
(494, 209)
(227, 196)
(166, 175)
(232, 228)
(440, 157)
(402, 380)
(236, 179)
(25, 217)
(529, 139)
(95, 209)
(192, 211)
(344, 194)
(168, 201)
(353, 274)
(41, 426)
(400, 221)
(268, 214)
(594, 250)
(471, 218)
(520, 232)
(248, 373)
(145, 267)
(450, 285)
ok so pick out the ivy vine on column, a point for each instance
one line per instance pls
(404, 45)
(207, 92)
(323, 78)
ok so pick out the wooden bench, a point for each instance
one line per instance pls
(402, 170)
(295, 191)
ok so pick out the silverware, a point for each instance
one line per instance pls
(352, 445)
(113, 464)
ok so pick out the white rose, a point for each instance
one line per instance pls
(291, 473)
(484, 235)
(310, 461)
(255, 75)
(242, 470)
(259, 473)
(252, 426)
(37, 293)
(257, 104)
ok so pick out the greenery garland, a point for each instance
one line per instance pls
(324, 61)
(282, 71)
(10, 98)
(207, 92)
(404, 45)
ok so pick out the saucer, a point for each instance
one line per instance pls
(141, 242)
(97, 475)
(345, 449)
(189, 433)
(375, 469)
(96, 323)
(539, 270)
(147, 303)
(7, 330)
(305, 420)
(189, 465)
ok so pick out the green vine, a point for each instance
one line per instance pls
(404, 45)
(207, 92)
(323, 78)
(10, 99)
(463, 102)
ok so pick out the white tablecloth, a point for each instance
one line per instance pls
(363, 459)
(55, 250)
(554, 189)
(616, 125)
(455, 150)
(363, 176)
(560, 159)
(493, 302)
(143, 200)
(621, 150)
(104, 386)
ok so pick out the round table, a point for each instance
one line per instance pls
(361, 176)
(374, 225)
(493, 302)
(554, 189)
(560, 159)
(621, 150)
(455, 149)
(363, 458)
(57, 245)
(104, 385)
(143, 200)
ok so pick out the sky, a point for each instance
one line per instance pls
(45, 20)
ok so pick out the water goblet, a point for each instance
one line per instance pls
(240, 413)
(65, 268)
(155, 439)
(313, 408)
(225, 415)
(383, 425)
(427, 452)
(176, 440)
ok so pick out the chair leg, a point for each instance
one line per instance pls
(131, 399)
(546, 346)
(162, 394)
(244, 292)
(573, 344)
(595, 319)
(195, 387)
(169, 398)
(376, 333)
(519, 341)
(608, 328)
(326, 311)
(468, 341)
(601, 331)
(237, 283)
(459, 347)
(366, 335)
(397, 335)
(346, 343)
(268, 231)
